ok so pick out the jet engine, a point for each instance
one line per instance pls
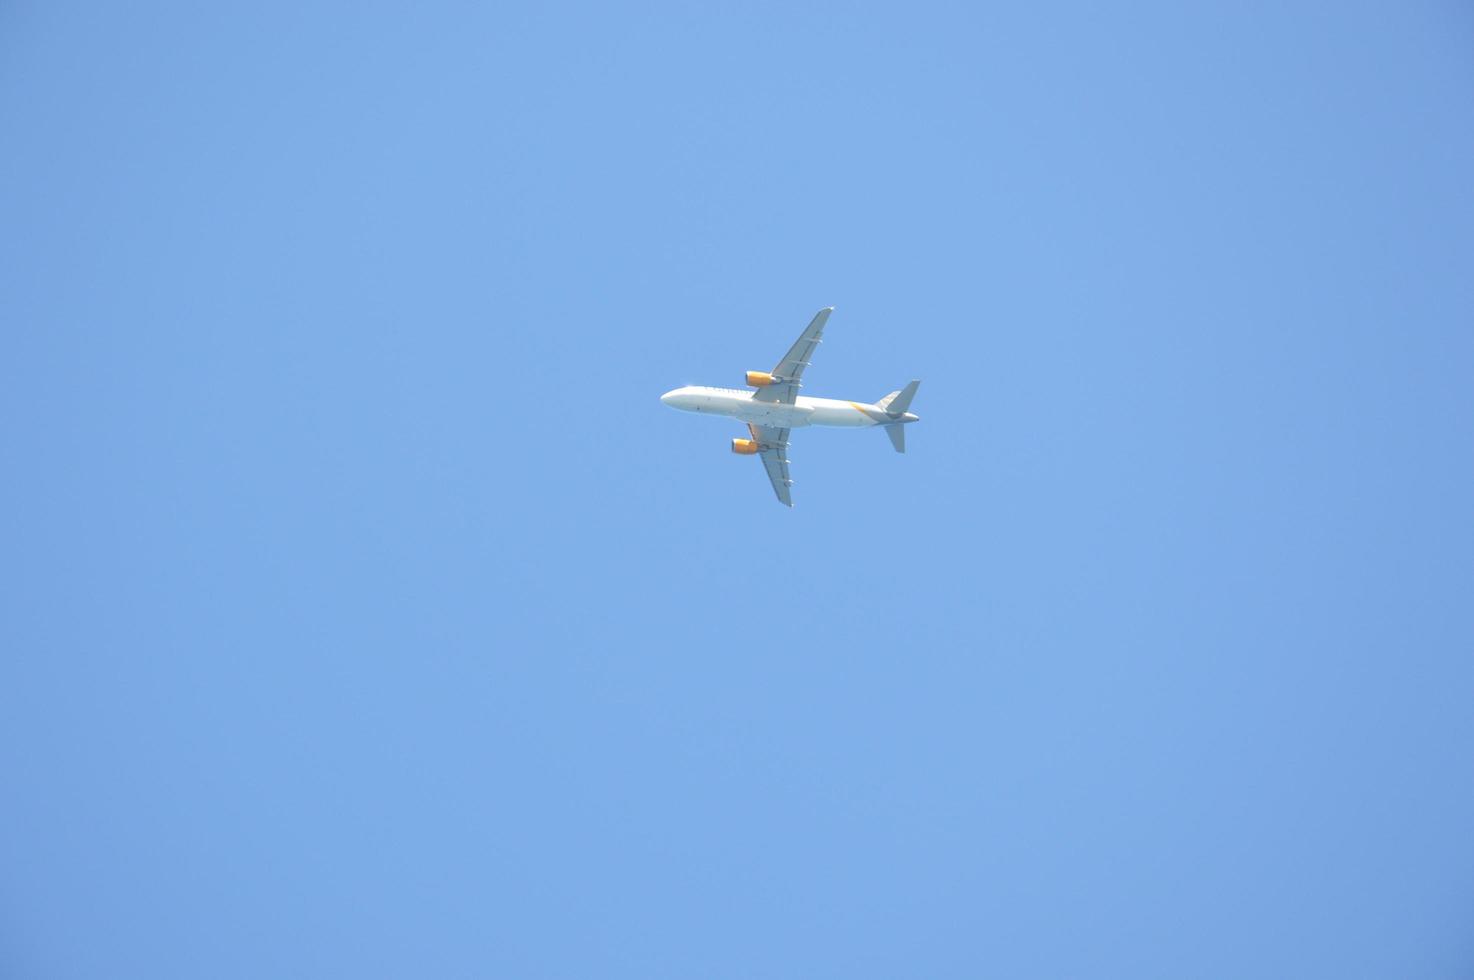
(759, 379)
(744, 447)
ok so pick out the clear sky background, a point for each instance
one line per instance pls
(365, 614)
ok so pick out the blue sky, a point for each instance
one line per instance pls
(364, 613)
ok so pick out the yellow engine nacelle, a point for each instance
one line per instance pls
(744, 447)
(759, 379)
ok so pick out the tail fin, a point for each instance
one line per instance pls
(899, 402)
(897, 432)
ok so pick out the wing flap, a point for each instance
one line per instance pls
(773, 450)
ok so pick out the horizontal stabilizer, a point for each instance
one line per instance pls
(897, 432)
(900, 402)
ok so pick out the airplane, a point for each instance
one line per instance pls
(775, 408)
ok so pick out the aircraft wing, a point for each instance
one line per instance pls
(773, 448)
(791, 368)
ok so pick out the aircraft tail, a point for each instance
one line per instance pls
(898, 402)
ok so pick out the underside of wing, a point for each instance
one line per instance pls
(789, 370)
(773, 450)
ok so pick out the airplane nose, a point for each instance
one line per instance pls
(669, 397)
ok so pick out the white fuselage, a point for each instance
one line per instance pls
(741, 405)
